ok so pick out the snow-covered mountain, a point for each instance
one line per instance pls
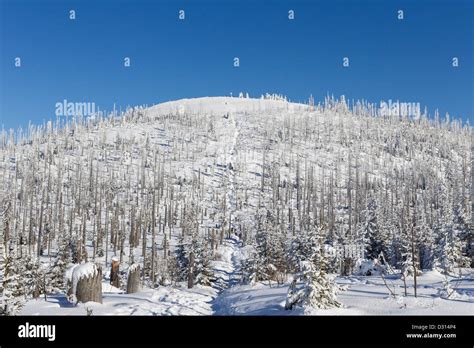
(213, 192)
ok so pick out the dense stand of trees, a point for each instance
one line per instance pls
(163, 190)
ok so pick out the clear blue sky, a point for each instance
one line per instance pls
(82, 60)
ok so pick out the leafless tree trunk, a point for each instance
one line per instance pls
(114, 273)
(191, 271)
(90, 288)
(133, 281)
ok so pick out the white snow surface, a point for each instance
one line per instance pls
(160, 301)
(362, 295)
(222, 105)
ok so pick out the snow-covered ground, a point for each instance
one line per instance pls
(363, 296)
(360, 295)
(226, 267)
(160, 301)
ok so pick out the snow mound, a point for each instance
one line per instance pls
(370, 268)
(221, 105)
(432, 275)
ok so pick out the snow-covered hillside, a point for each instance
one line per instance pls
(221, 201)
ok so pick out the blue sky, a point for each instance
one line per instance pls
(82, 60)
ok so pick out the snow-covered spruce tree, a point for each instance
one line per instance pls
(279, 248)
(249, 267)
(23, 277)
(449, 250)
(445, 291)
(317, 289)
(449, 246)
(457, 174)
(192, 261)
(390, 237)
(426, 240)
(180, 268)
(269, 262)
(305, 246)
(247, 263)
(462, 232)
(261, 260)
(13, 287)
(368, 230)
(33, 277)
(255, 267)
(203, 273)
(56, 280)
